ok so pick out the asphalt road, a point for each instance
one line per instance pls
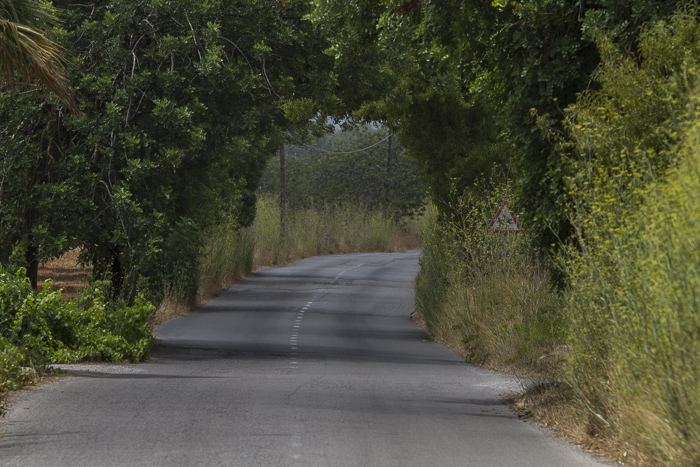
(311, 364)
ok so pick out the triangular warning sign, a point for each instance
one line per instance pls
(504, 221)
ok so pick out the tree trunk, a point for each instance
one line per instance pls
(32, 263)
(117, 273)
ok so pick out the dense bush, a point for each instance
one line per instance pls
(635, 315)
(38, 328)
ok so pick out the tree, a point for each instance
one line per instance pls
(349, 167)
(498, 75)
(183, 104)
(414, 88)
(41, 195)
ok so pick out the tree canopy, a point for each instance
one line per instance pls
(185, 101)
(468, 83)
(183, 104)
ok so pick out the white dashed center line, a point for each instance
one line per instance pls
(293, 345)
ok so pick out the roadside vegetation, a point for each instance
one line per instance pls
(484, 294)
(153, 177)
(347, 228)
(611, 325)
(158, 164)
(350, 191)
(632, 305)
(39, 328)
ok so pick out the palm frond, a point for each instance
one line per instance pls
(36, 13)
(27, 56)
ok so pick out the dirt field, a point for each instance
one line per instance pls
(66, 274)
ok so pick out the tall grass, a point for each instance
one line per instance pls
(634, 305)
(226, 255)
(327, 230)
(484, 294)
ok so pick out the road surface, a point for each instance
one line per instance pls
(314, 364)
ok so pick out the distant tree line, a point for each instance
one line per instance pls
(349, 167)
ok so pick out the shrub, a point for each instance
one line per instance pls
(635, 314)
(43, 329)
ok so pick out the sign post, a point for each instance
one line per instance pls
(504, 222)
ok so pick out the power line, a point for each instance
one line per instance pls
(347, 152)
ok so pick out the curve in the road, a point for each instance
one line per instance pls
(313, 364)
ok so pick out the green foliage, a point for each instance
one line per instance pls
(42, 328)
(183, 103)
(634, 314)
(482, 293)
(39, 189)
(388, 71)
(335, 171)
(38, 328)
(437, 262)
(12, 375)
(629, 125)
(465, 83)
(632, 303)
(532, 58)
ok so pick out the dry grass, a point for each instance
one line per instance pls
(264, 257)
(553, 405)
(231, 254)
(330, 230)
(486, 296)
(170, 307)
(226, 258)
(66, 274)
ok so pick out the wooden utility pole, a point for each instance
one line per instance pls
(387, 179)
(388, 155)
(283, 190)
